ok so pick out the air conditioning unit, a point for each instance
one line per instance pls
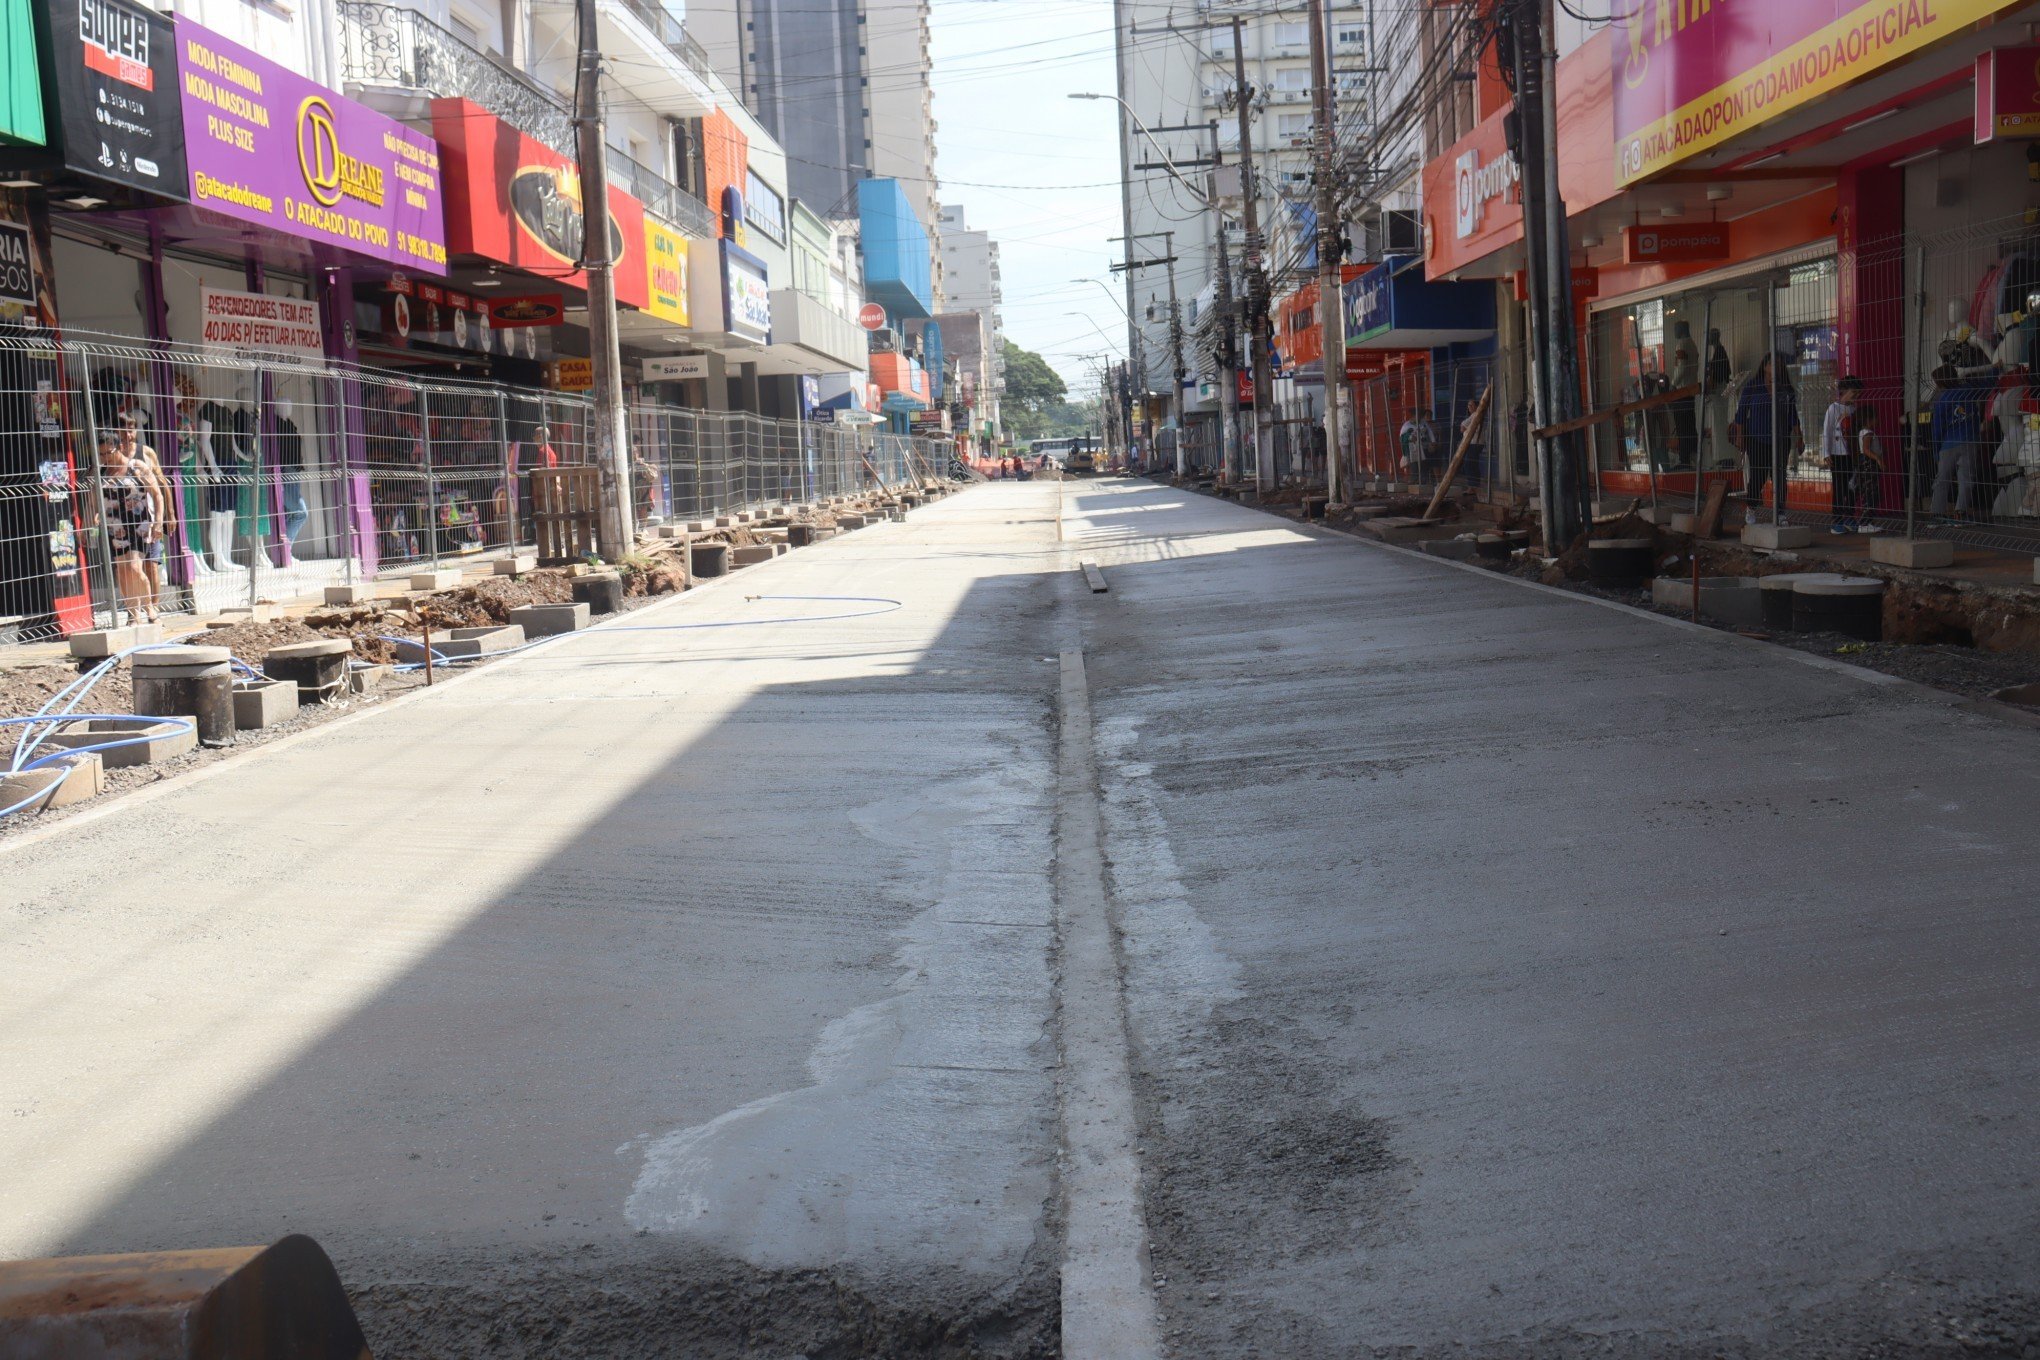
(1224, 182)
(1402, 232)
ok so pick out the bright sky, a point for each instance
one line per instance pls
(1038, 170)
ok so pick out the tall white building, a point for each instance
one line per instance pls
(1180, 74)
(970, 269)
(843, 85)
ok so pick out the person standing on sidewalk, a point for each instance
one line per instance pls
(1767, 409)
(1838, 451)
(1954, 426)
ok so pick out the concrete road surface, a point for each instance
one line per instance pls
(1432, 965)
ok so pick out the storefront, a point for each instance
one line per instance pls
(1417, 349)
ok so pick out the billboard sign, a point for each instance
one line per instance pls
(114, 69)
(268, 146)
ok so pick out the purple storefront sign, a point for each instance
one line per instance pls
(268, 146)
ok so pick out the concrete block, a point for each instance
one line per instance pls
(849, 521)
(708, 559)
(153, 739)
(516, 566)
(1660, 515)
(1457, 549)
(99, 643)
(1403, 529)
(263, 703)
(725, 521)
(354, 594)
(1776, 535)
(751, 556)
(366, 679)
(1683, 523)
(668, 531)
(58, 784)
(1913, 552)
(698, 526)
(602, 592)
(259, 612)
(544, 620)
(462, 643)
(445, 579)
(1724, 599)
(318, 668)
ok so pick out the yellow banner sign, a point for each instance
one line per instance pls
(666, 272)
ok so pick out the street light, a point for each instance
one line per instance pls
(1160, 150)
(1108, 292)
(1094, 324)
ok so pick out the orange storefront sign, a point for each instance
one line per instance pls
(1473, 202)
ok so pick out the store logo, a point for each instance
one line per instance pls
(17, 274)
(546, 201)
(116, 40)
(1476, 185)
(330, 173)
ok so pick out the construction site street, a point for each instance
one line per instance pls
(1301, 948)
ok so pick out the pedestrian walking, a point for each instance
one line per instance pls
(1419, 446)
(1766, 420)
(1838, 451)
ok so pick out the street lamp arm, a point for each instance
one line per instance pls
(1160, 150)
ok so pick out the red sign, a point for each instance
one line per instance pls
(539, 309)
(1688, 77)
(1672, 245)
(1246, 386)
(2008, 94)
(518, 202)
(1586, 282)
(871, 316)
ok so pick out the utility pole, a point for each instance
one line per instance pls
(1175, 346)
(1257, 274)
(615, 532)
(1133, 355)
(1228, 362)
(1554, 385)
(1331, 311)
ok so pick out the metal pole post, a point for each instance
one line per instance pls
(1176, 349)
(1771, 367)
(611, 443)
(1229, 365)
(1912, 391)
(1331, 314)
(1643, 417)
(1257, 276)
(257, 547)
(99, 499)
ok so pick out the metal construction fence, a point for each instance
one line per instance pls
(139, 478)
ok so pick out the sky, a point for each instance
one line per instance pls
(1035, 168)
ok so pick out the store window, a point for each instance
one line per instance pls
(1714, 338)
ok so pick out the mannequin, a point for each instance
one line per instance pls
(1714, 410)
(1685, 372)
(245, 526)
(289, 456)
(214, 431)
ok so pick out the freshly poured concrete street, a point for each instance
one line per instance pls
(1303, 949)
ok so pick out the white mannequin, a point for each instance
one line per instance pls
(1959, 328)
(213, 556)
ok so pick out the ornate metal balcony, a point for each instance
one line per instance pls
(392, 46)
(661, 197)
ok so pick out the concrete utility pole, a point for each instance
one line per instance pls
(1229, 361)
(1554, 388)
(1136, 363)
(1331, 309)
(615, 531)
(1175, 346)
(1257, 273)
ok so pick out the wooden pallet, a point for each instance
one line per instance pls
(565, 504)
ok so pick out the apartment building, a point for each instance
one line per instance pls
(1179, 74)
(970, 268)
(843, 85)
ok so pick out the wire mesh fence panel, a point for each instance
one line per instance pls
(55, 566)
(468, 462)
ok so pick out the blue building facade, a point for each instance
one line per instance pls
(897, 273)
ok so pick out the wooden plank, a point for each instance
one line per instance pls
(1619, 410)
(1095, 578)
(1459, 454)
(1708, 525)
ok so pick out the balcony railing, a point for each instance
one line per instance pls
(394, 46)
(666, 26)
(661, 197)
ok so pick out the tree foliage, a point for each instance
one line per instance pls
(1031, 385)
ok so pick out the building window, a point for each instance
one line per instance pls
(1292, 78)
(1292, 125)
(1221, 43)
(1353, 36)
(1292, 35)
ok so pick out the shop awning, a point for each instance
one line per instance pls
(1393, 306)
